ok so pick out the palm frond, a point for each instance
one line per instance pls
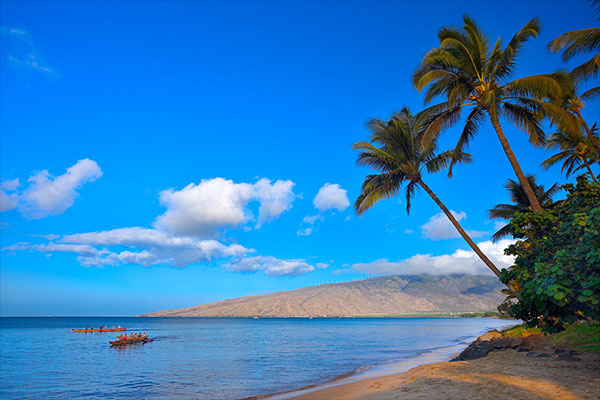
(537, 86)
(501, 233)
(590, 94)
(505, 65)
(576, 42)
(375, 188)
(526, 120)
(588, 69)
(438, 118)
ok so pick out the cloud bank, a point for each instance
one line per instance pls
(461, 261)
(144, 246)
(185, 234)
(271, 266)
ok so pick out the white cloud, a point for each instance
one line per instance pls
(304, 232)
(311, 219)
(439, 227)
(275, 198)
(212, 204)
(408, 231)
(10, 185)
(22, 51)
(146, 247)
(322, 265)
(8, 201)
(271, 266)
(461, 261)
(331, 196)
(48, 195)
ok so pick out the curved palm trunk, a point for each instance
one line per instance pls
(533, 200)
(460, 230)
(465, 236)
(589, 134)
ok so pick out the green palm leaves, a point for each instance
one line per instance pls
(578, 42)
(520, 203)
(471, 73)
(399, 154)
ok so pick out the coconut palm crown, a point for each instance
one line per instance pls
(472, 73)
(520, 202)
(575, 152)
(572, 100)
(399, 154)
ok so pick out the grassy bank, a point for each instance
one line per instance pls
(583, 337)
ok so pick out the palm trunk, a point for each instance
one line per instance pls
(589, 134)
(533, 200)
(467, 238)
(460, 230)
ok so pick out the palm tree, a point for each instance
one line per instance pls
(520, 202)
(401, 158)
(571, 100)
(470, 73)
(576, 153)
(577, 42)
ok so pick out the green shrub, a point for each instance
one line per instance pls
(557, 266)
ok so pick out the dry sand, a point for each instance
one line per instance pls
(502, 375)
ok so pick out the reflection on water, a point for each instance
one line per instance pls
(209, 358)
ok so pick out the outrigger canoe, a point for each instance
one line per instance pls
(124, 342)
(100, 330)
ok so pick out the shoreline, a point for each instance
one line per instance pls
(503, 373)
(373, 372)
(426, 357)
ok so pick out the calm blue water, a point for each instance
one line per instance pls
(209, 358)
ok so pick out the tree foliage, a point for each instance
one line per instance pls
(557, 266)
(520, 203)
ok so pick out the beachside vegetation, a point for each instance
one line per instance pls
(557, 265)
(555, 280)
(520, 202)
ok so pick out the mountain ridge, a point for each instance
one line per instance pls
(378, 296)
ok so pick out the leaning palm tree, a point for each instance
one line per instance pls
(469, 72)
(575, 153)
(401, 158)
(578, 42)
(520, 202)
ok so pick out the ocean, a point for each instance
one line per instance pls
(217, 358)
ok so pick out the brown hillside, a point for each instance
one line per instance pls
(385, 295)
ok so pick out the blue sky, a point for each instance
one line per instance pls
(175, 153)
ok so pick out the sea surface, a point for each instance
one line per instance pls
(216, 358)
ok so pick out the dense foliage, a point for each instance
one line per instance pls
(557, 266)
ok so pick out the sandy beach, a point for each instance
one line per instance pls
(503, 374)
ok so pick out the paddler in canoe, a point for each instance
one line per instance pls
(132, 338)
